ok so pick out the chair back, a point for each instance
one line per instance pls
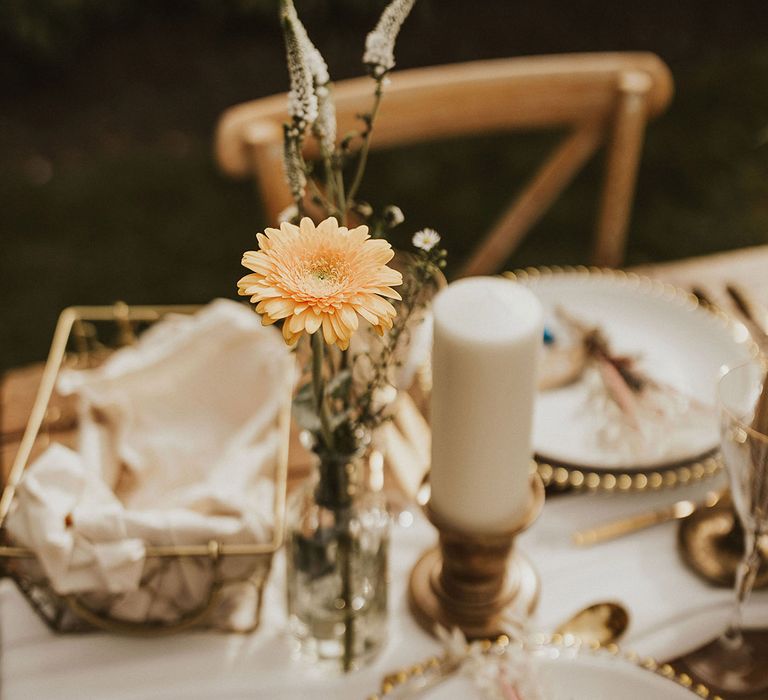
(599, 99)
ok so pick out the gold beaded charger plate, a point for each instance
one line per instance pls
(581, 439)
(562, 669)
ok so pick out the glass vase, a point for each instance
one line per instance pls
(337, 541)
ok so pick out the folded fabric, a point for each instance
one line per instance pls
(178, 443)
(74, 523)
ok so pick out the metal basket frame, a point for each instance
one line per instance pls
(71, 326)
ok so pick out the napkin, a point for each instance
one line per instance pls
(178, 443)
(672, 611)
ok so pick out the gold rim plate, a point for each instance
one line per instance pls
(563, 476)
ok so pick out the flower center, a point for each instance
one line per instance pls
(324, 274)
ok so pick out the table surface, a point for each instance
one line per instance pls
(747, 268)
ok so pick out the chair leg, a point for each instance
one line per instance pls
(265, 143)
(623, 157)
(550, 180)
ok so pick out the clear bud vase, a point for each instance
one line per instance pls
(337, 542)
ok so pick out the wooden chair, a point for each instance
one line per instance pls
(599, 98)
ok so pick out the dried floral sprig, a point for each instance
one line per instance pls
(311, 106)
(326, 281)
(324, 124)
(624, 382)
(324, 128)
(295, 170)
(302, 101)
(379, 54)
(633, 407)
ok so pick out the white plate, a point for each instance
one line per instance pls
(587, 677)
(678, 343)
(564, 674)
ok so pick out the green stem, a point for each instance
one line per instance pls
(345, 556)
(329, 206)
(318, 387)
(341, 199)
(330, 178)
(363, 158)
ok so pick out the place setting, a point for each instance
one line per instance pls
(373, 471)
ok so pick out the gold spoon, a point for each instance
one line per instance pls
(603, 622)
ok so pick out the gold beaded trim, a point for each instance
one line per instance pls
(563, 476)
(499, 646)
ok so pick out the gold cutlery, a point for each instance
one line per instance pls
(603, 623)
(633, 523)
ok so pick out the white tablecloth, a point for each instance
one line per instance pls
(672, 611)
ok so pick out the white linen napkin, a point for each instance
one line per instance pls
(183, 426)
(75, 524)
(672, 611)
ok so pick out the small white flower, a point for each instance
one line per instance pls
(288, 214)
(426, 239)
(393, 215)
(380, 43)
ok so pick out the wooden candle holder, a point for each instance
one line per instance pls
(472, 580)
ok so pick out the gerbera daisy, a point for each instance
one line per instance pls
(321, 278)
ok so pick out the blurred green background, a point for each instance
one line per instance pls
(108, 189)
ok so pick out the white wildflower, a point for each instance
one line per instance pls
(288, 214)
(314, 59)
(317, 65)
(426, 239)
(323, 117)
(379, 53)
(302, 101)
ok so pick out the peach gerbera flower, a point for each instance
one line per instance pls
(321, 278)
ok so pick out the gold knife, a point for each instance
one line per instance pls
(626, 526)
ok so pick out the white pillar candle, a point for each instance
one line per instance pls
(487, 337)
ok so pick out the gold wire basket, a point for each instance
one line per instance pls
(84, 337)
